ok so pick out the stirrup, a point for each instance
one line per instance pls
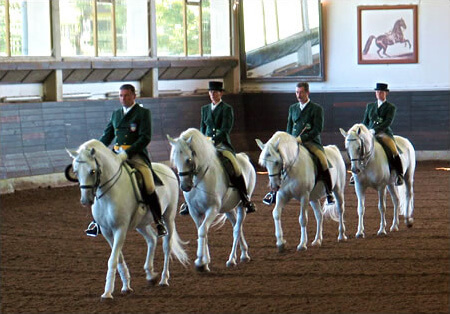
(93, 229)
(330, 199)
(161, 230)
(352, 181)
(399, 180)
(184, 209)
(270, 198)
(251, 208)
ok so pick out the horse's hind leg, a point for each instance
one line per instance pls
(150, 237)
(340, 204)
(231, 215)
(303, 220)
(382, 210)
(317, 208)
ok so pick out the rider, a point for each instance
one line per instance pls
(378, 118)
(131, 128)
(217, 119)
(305, 122)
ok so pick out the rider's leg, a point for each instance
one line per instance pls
(238, 181)
(396, 162)
(150, 197)
(313, 148)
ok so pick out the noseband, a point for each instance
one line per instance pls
(97, 185)
(192, 172)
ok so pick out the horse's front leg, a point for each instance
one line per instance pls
(361, 194)
(393, 190)
(382, 210)
(303, 220)
(318, 213)
(340, 204)
(150, 238)
(117, 238)
(276, 214)
(203, 259)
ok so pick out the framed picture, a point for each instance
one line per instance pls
(387, 34)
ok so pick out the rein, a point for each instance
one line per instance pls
(193, 172)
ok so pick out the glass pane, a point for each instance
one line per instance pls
(219, 21)
(132, 28)
(206, 27)
(169, 27)
(271, 23)
(289, 18)
(193, 30)
(3, 51)
(253, 24)
(104, 29)
(77, 30)
(313, 14)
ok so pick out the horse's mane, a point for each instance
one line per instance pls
(287, 146)
(203, 147)
(100, 148)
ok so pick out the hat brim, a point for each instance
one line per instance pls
(383, 90)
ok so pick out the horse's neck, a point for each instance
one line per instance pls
(303, 163)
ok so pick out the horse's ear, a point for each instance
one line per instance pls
(260, 144)
(92, 152)
(189, 140)
(344, 134)
(171, 140)
(72, 153)
(276, 144)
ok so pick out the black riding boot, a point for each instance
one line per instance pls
(239, 183)
(397, 163)
(328, 186)
(155, 208)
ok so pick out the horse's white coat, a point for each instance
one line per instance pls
(292, 173)
(107, 186)
(370, 168)
(207, 192)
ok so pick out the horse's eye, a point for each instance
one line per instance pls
(189, 161)
(92, 172)
(277, 163)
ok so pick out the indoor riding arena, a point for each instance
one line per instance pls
(58, 91)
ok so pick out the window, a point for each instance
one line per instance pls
(25, 28)
(193, 28)
(104, 28)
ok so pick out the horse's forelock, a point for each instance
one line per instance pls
(287, 145)
(203, 148)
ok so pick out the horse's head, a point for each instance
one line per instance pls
(190, 154)
(359, 143)
(278, 152)
(87, 168)
(401, 23)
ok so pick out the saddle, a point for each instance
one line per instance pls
(389, 154)
(140, 179)
(226, 165)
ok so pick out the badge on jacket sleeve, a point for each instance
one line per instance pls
(133, 127)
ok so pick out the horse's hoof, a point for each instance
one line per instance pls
(201, 268)
(106, 298)
(409, 222)
(163, 284)
(152, 282)
(301, 248)
(360, 235)
(381, 233)
(245, 259)
(231, 264)
(316, 243)
(394, 228)
(281, 248)
(342, 238)
(127, 291)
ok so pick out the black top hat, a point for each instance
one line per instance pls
(214, 85)
(382, 87)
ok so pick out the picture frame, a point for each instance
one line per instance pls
(387, 34)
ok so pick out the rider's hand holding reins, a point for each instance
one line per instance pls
(123, 156)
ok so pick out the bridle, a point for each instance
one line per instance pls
(193, 171)
(364, 156)
(96, 186)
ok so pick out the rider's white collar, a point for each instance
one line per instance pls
(126, 110)
(380, 102)
(302, 106)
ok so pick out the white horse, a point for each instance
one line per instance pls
(106, 185)
(370, 168)
(207, 191)
(292, 174)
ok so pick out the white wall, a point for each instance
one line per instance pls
(342, 71)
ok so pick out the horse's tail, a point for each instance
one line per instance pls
(177, 247)
(220, 220)
(368, 43)
(331, 211)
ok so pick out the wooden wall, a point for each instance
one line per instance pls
(33, 136)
